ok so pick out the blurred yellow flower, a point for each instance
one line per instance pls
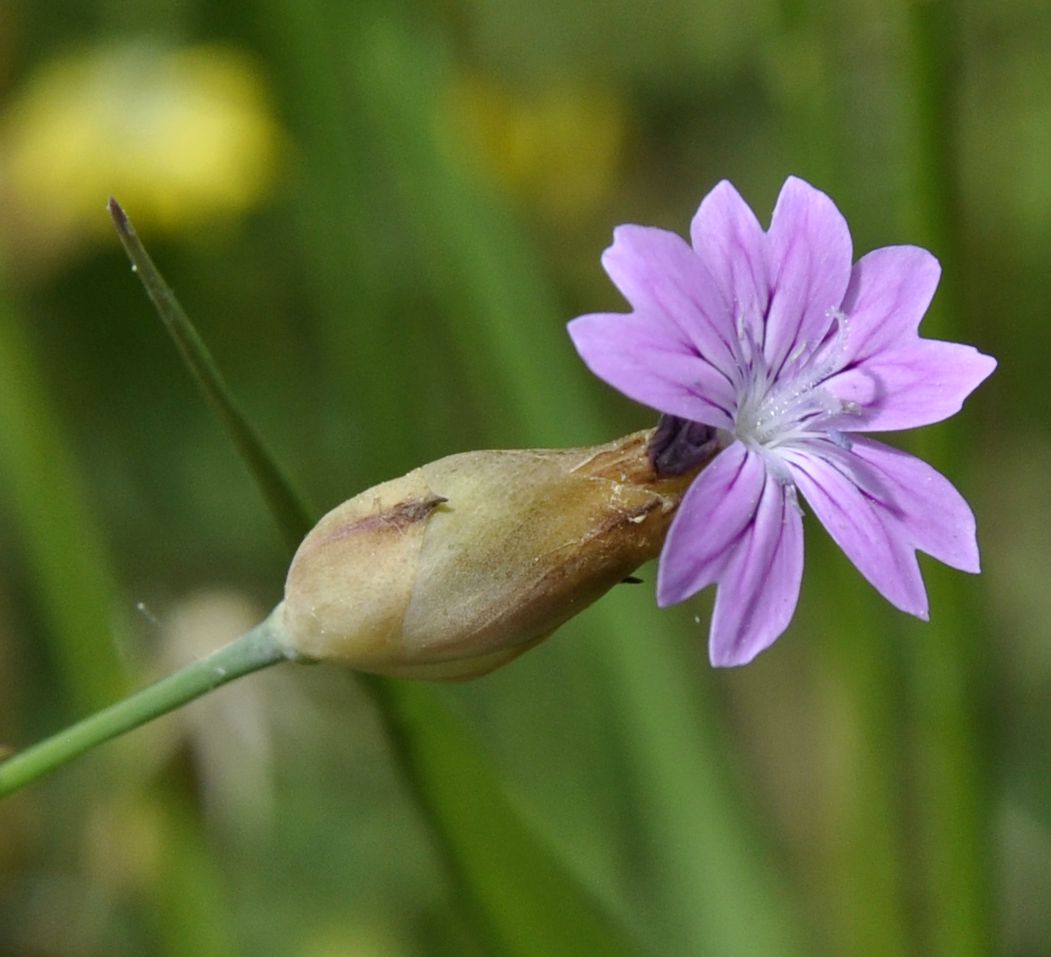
(181, 136)
(559, 150)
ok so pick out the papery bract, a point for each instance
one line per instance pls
(788, 349)
(463, 564)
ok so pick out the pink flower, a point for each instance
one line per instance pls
(789, 354)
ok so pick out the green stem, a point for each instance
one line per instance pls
(255, 649)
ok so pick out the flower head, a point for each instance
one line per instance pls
(792, 353)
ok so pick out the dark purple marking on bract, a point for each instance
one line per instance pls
(395, 518)
(679, 445)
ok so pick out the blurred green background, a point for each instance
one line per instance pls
(380, 215)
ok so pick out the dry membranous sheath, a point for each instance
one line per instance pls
(464, 563)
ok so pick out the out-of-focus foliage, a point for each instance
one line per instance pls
(183, 135)
(380, 215)
(556, 152)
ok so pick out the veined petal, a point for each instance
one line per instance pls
(872, 536)
(932, 514)
(889, 292)
(912, 385)
(810, 252)
(759, 585)
(669, 284)
(713, 514)
(647, 365)
(728, 237)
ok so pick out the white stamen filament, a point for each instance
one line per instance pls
(776, 409)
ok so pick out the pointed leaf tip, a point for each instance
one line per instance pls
(117, 214)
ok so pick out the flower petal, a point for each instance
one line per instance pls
(714, 512)
(728, 238)
(759, 586)
(912, 385)
(889, 292)
(668, 284)
(736, 526)
(932, 514)
(646, 364)
(872, 536)
(809, 252)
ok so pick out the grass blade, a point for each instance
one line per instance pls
(284, 503)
